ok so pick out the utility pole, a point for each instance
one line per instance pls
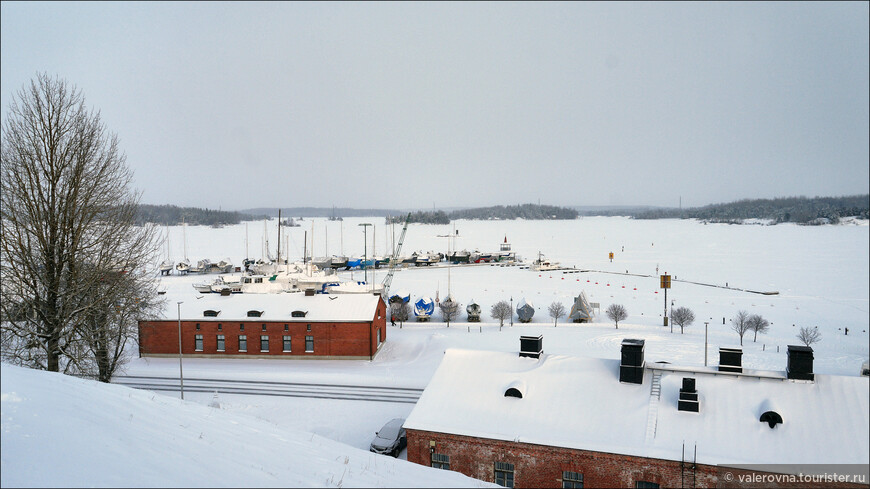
(180, 370)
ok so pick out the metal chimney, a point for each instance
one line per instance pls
(731, 359)
(800, 363)
(531, 346)
(631, 362)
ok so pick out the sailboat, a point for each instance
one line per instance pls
(525, 310)
(183, 266)
(166, 265)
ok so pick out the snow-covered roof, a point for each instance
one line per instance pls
(280, 307)
(578, 402)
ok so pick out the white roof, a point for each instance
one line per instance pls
(279, 307)
(578, 402)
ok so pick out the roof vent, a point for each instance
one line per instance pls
(515, 389)
(731, 360)
(254, 314)
(531, 346)
(631, 362)
(772, 418)
(688, 396)
(210, 313)
(298, 314)
(800, 363)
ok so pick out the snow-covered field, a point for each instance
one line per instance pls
(820, 274)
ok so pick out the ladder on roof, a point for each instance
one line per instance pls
(655, 394)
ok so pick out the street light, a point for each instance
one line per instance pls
(512, 311)
(180, 371)
(365, 250)
(705, 342)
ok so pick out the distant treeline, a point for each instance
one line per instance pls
(800, 210)
(321, 212)
(170, 215)
(499, 212)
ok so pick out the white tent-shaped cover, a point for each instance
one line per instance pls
(581, 311)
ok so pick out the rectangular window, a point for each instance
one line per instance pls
(308, 328)
(243, 343)
(286, 327)
(241, 327)
(379, 336)
(220, 327)
(441, 461)
(197, 326)
(309, 344)
(286, 343)
(572, 480)
(264, 328)
(504, 474)
(197, 344)
(646, 485)
(220, 342)
(264, 343)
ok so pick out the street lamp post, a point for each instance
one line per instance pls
(705, 342)
(512, 311)
(180, 370)
(365, 250)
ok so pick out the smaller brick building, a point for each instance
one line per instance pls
(344, 326)
(538, 420)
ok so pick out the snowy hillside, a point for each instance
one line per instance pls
(60, 431)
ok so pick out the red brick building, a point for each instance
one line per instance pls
(559, 421)
(343, 326)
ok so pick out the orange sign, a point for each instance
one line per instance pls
(611, 255)
(666, 281)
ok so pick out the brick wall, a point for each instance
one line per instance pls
(542, 466)
(331, 339)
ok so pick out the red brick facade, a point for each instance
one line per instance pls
(543, 466)
(352, 340)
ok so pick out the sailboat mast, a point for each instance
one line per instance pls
(279, 236)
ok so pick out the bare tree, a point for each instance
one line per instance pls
(808, 335)
(740, 324)
(400, 310)
(501, 310)
(68, 232)
(616, 313)
(682, 316)
(556, 310)
(449, 309)
(758, 324)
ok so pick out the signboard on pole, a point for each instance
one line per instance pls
(666, 281)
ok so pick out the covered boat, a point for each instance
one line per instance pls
(473, 310)
(581, 312)
(525, 311)
(423, 308)
(182, 266)
(401, 296)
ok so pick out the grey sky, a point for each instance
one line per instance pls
(408, 105)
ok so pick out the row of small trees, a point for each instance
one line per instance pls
(742, 323)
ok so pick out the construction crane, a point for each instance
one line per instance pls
(394, 260)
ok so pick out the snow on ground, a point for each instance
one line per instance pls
(59, 431)
(821, 274)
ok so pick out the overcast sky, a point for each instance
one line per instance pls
(415, 105)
